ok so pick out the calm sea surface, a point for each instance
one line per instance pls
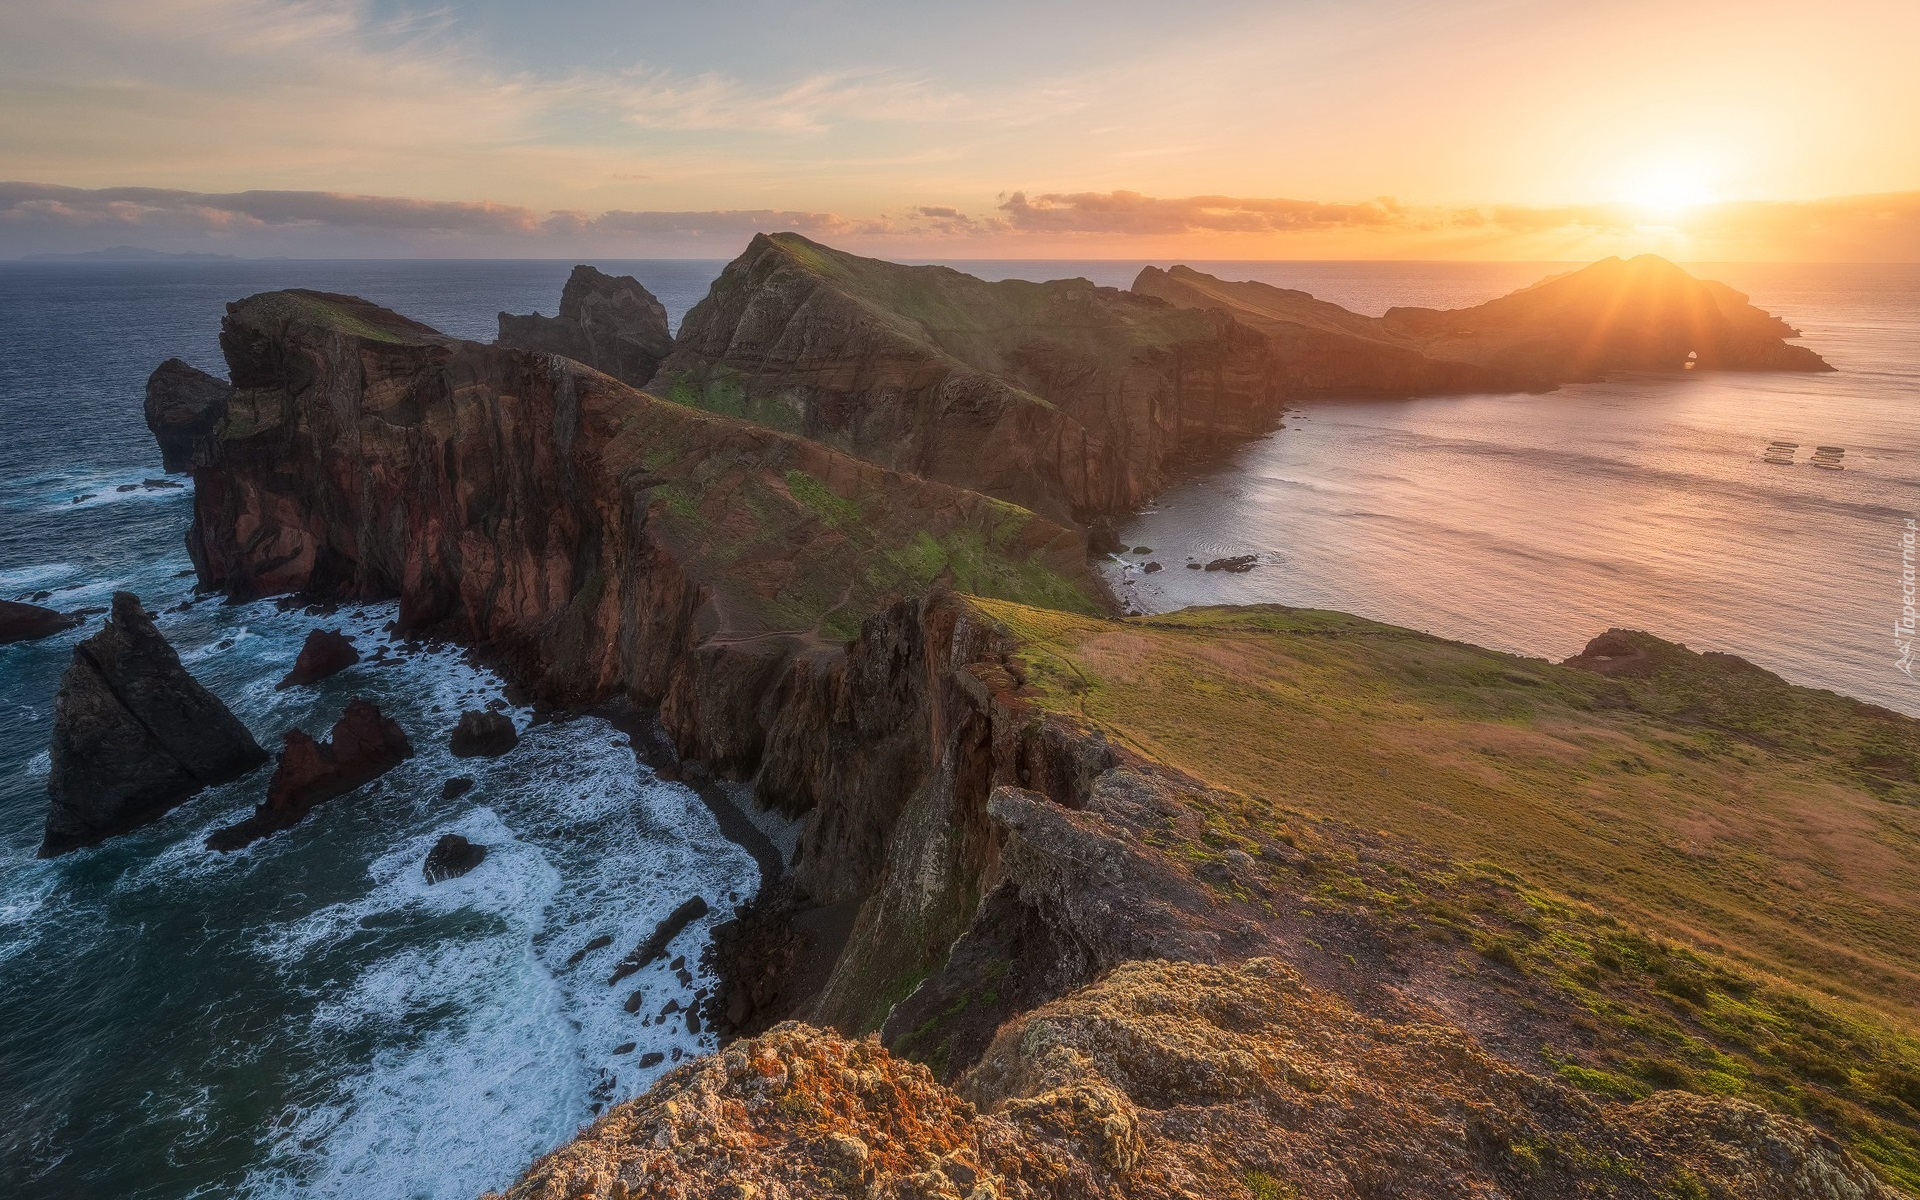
(309, 1018)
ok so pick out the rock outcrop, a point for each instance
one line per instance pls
(608, 322)
(185, 406)
(134, 734)
(483, 735)
(1068, 399)
(451, 857)
(324, 654)
(1644, 314)
(591, 539)
(1171, 1081)
(30, 622)
(364, 745)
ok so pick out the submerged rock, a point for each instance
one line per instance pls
(1239, 564)
(655, 947)
(364, 745)
(30, 622)
(609, 322)
(134, 734)
(326, 653)
(483, 735)
(451, 857)
(456, 787)
(185, 406)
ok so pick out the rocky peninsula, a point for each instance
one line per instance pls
(1240, 902)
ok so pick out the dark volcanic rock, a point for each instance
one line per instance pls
(1239, 564)
(483, 735)
(452, 856)
(185, 406)
(609, 322)
(29, 622)
(134, 734)
(326, 652)
(456, 787)
(363, 746)
(655, 947)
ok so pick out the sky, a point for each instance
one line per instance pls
(1484, 129)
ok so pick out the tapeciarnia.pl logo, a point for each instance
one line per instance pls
(1903, 628)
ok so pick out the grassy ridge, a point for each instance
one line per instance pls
(1703, 870)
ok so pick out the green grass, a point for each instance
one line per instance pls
(1695, 869)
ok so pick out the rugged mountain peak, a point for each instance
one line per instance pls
(134, 734)
(1069, 399)
(611, 323)
(184, 407)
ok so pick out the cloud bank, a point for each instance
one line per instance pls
(37, 217)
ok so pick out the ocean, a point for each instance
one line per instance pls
(308, 1017)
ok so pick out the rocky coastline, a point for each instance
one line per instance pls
(838, 552)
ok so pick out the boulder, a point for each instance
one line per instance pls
(185, 406)
(326, 653)
(29, 622)
(365, 744)
(134, 734)
(456, 787)
(451, 857)
(483, 735)
(609, 322)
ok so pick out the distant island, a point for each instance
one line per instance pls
(129, 254)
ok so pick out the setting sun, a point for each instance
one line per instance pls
(1670, 189)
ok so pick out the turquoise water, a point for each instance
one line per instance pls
(309, 1018)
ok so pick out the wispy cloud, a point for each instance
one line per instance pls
(36, 216)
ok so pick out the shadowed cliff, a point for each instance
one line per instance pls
(1072, 400)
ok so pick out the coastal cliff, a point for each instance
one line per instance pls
(1644, 314)
(1239, 902)
(1072, 400)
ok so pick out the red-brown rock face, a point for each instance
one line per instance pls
(1066, 398)
(364, 745)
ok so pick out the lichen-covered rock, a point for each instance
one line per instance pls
(134, 734)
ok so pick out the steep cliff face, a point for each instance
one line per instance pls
(611, 323)
(594, 539)
(1071, 400)
(1641, 315)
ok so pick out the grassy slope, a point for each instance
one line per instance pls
(797, 538)
(1711, 866)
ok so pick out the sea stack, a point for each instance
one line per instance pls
(364, 745)
(134, 734)
(609, 322)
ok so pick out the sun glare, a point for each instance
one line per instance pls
(1670, 190)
